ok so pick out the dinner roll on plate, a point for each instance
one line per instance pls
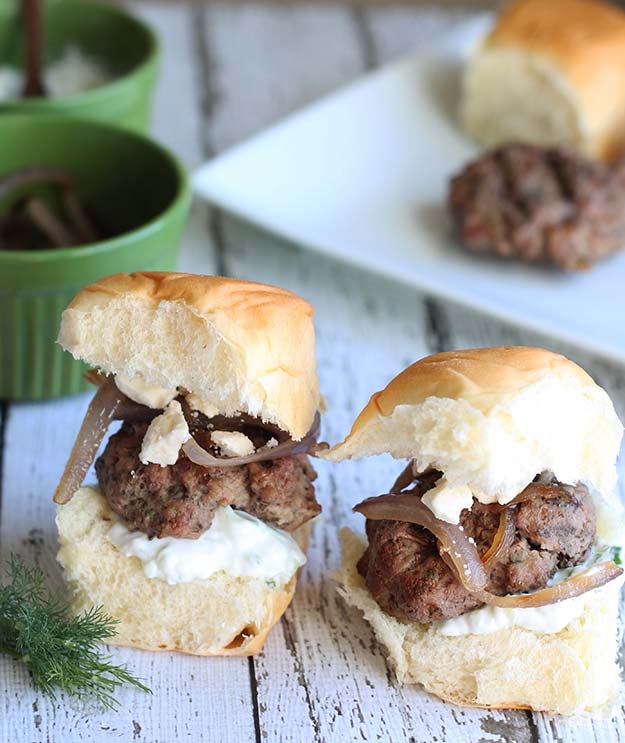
(551, 72)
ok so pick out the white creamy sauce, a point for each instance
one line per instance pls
(164, 437)
(544, 619)
(140, 391)
(73, 72)
(237, 543)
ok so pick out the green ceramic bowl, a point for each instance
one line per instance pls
(126, 46)
(136, 185)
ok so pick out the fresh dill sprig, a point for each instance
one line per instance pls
(60, 650)
(616, 555)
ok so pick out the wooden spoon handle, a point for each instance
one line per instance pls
(31, 14)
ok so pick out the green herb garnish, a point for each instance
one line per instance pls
(60, 650)
(616, 556)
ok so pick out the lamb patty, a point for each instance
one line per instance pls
(536, 204)
(180, 500)
(409, 580)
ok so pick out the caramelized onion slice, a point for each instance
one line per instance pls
(586, 580)
(502, 541)
(453, 543)
(198, 455)
(406, 477)
(100, 414)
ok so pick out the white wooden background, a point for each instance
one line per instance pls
(229, 70)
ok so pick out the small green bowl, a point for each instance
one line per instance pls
(136, 185)
(125, 45)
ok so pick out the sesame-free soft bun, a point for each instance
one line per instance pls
(241, 347)
(550, 72)
(492, 419)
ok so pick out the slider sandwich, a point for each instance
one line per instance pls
(196, 531)
(491, 569)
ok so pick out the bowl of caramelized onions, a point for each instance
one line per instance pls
(78, 200)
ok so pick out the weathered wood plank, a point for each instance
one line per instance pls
(176, 119)
(272, 59)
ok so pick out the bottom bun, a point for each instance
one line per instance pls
(224, 615)
(569, 672)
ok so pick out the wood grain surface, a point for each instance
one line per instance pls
(228, 71)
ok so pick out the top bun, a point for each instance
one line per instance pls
(492, 419)
(239, 346)
(551, 72)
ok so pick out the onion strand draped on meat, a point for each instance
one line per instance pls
(454, 544)
(463, 558)
(406, 477)
(287, 448)
(110, 404)
(586, 580)
(100, 414)
(502, 541)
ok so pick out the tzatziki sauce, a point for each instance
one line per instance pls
(237, 543)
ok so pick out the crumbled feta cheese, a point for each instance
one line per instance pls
(145, 394)
(233, 443)
(195, 402)
(447, 503)
(73, 72)
(164, 437)
(272, 443)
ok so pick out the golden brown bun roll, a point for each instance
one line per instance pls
(550, 72)
(240, 346)
(492, 419)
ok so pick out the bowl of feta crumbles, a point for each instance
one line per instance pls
(96, 61)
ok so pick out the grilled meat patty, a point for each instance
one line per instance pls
(180, 500)
(409, 580)
(549, 205)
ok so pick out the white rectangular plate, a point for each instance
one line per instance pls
(362, 176)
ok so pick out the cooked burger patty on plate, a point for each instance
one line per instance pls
(549, 205)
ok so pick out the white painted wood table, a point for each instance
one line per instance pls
(229, 70)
